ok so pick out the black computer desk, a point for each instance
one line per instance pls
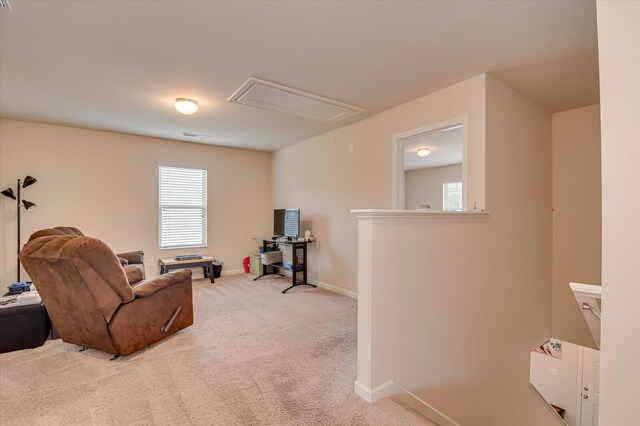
(295, 268)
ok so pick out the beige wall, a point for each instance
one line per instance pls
(455, 304)
(618, 35)
(577, 213)
(424, 186)
(326, 181)
(106, 184)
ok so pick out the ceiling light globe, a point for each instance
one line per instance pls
(186, 106)
(423, 152)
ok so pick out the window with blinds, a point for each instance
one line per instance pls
(183, 207)
(452, 196)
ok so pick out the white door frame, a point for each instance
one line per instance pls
(589, 380)
(397, 158)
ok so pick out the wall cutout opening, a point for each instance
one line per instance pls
(430, 167)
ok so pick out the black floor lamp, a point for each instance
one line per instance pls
(28, 205)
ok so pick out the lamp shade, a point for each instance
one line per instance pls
(29, 180)
(29, 206)
(9, 193)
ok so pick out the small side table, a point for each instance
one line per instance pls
(206, 263)
(23, 327)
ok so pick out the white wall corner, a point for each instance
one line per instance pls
(404, 396)
(384, 390)
(365, 259)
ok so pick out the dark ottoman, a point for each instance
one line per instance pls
(23, 327)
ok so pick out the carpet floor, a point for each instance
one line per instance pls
(253, 357)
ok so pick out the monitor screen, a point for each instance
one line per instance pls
(292, 223)
(278, 222)
(286, 222)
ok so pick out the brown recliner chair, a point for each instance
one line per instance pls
(132, 261)
(90, 300)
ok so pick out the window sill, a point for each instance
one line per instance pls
(181, 247)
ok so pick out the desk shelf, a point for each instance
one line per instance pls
(288, 266)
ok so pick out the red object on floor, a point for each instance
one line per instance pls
(245, 263)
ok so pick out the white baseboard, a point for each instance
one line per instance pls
(404, 396)
(546, 404)
(334, 289)
(421, 406)
(372, 395)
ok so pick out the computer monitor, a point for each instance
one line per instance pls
(278, 222)
(286, 222)
(292, 223)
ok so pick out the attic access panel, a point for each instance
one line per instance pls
(276, 97)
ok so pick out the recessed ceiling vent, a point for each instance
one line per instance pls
(195, 135)
(275, 97)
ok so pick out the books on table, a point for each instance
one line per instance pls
(26, 298)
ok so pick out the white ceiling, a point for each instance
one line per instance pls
(119, 65)
(445, 146)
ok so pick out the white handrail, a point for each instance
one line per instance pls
(587, 295)
(587, 289)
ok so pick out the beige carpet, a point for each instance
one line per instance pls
(253, 357)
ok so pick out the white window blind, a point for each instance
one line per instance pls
(183, 207)
(452, 196)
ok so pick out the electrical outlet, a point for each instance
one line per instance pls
(350, 147)
(151, 262)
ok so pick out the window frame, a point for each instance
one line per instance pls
(397, 160)
(204, 208)
(444, 195)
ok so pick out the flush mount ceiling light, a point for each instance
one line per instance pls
(186, 106)
(423, 152)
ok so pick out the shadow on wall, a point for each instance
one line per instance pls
(539, 81)
(405, 397)
(313, 249)
(320, 254)
(306, 225)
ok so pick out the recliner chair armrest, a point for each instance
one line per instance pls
(150, 287)
(132, 257)
(147, 320)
